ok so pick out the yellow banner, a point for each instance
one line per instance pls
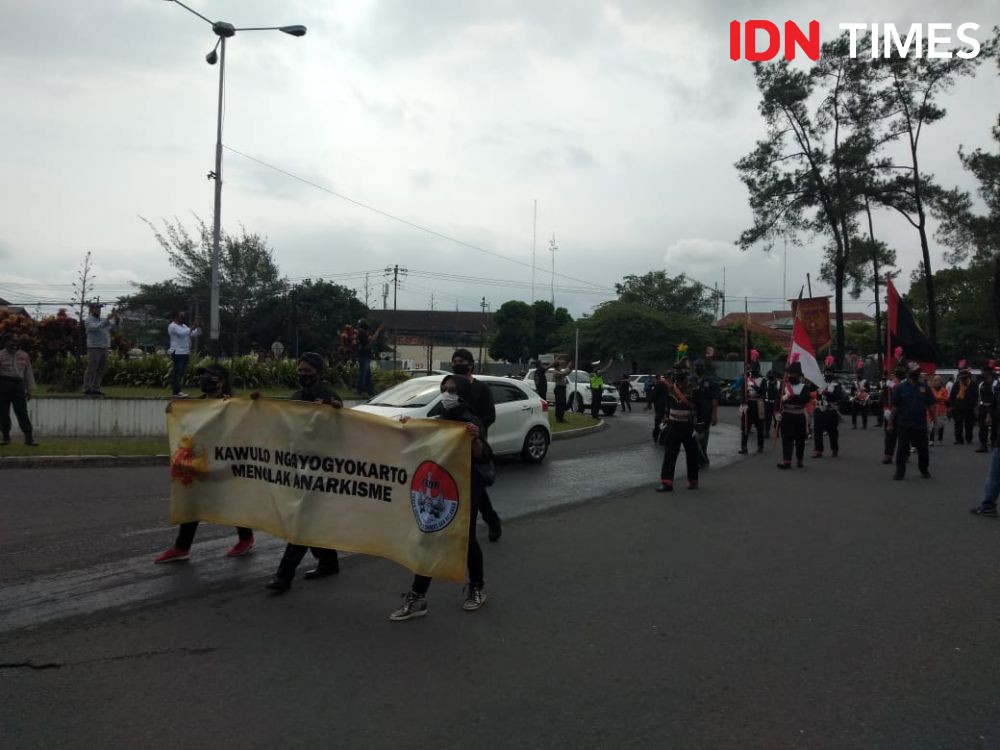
(325, 477)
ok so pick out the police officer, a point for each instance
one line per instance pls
(795, 397)
(313, 389)
(597, 386)
(911, 400)
(752, 406)
(681, 408)
(830, 394)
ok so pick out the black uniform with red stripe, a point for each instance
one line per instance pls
(829, 396)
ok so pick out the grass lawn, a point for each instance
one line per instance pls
(122, 391)
(573, 421)
(87, 447)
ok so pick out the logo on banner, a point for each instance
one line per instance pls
(433, 497)
(188, 463)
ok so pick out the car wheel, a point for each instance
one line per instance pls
(577, 404)
(536, 445)
(609, 411)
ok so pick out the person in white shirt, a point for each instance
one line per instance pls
(98, 343)
(180, 349)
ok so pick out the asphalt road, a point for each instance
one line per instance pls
(828, 607)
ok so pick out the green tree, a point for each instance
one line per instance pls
(809, 174)
(670, 294)
(513, 332)
(860, 337)
(964, 301)
(248, 273)
(631, 331)
(548, 322)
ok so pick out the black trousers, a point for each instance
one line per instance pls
(474, 558)
(859, 410)
(595, 401)
(626, 400)
(964, 421)
(827, 422)
(294, 553)
(560, 392)
(679, 434)
(12, 394)
(793, 437)
(916, 436)
(657, 421)
(890, 441)
(186, 532)
(768, 418)
(987, 433)
(752, 419)
(702, 431)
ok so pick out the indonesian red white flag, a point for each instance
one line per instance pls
(802, 351)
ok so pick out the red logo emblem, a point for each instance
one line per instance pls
(433, 497)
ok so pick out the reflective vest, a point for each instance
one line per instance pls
(596, 381)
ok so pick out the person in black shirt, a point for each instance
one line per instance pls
(830, 394)
(625, 392)
(962, 405)
(793, 402)
(659, 399)
(911, 401)
(314, 390)
(772, 388)
(541, 381)
(984, 411)
(480, 401)
(706, 410)
(681, 408)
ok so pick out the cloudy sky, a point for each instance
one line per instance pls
(622, 119)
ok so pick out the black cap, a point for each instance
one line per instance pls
(795, 368)
(313, 359)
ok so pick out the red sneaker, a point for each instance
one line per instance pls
(241, 548)
(174, 554)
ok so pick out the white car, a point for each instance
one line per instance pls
(522, 423)
(578, 392)
(637, 391)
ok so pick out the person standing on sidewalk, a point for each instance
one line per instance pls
(828, 411)
(706, 410)
(366, 386)
(17, 384)
(98, 343)
(597, 386)
(541, 380)
(314, 390)
(625, 392)
(984, 411)
(180, 350)
(681, 411)
(455, 404)
(912, 400)
(214, 383)
(480, 401)
(792, 425)
(560, 372)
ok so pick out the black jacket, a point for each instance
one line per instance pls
(319, 391)
(481, 403)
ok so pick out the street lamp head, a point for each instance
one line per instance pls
(295, 30)
(212, 58)
(223, 29)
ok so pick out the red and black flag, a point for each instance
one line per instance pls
(904, 333)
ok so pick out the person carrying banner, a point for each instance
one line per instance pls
(829, 396)
(681, 414)
(792, 426)
(752, 406)
(480, 401)
(455, 405)
(962, 405)
(214, 383)
(984, 411)
(313, 389)
(911, 401)
(940, 410)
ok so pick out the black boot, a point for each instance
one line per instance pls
(29, 440)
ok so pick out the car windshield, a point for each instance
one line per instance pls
(409, 395)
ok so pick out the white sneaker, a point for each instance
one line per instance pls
(182, 394)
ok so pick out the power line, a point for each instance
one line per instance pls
(401, 220)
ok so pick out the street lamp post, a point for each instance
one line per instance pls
(224, 31)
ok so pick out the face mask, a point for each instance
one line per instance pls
(461, 369)
(793, 379)
(828, 378)
(449, 400)
(208, 384)
(306, 380)
(699, 371)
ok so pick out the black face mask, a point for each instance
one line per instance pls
(208, 384)
(461, 369)
(699, 371)
(306, 380)
(793, 379)
(915, 377)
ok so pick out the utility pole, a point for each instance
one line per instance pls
(553, 247)
(430, 344)
(723, 291)
(482, 335)
(395, 272)
(810, 284)
(534, 236)
(385, 297)
(366, 289)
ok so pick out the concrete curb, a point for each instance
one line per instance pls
(73, 462)
(579, 432)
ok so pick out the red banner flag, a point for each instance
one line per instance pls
(814, 312)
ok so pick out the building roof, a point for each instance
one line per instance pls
(778, 318)
(433, 321)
